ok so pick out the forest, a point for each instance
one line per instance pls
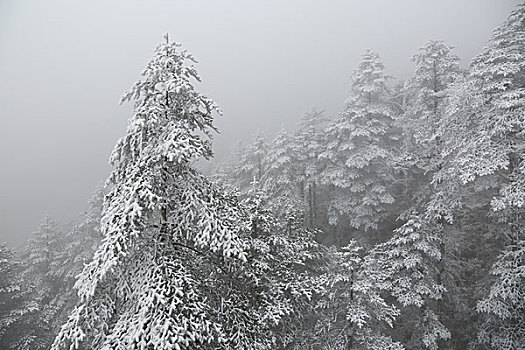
(396, 224)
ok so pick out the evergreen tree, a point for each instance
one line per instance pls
(253, 166)
(228, 171)
(410, 258)
(286, 263)
(8, 288)
(504, 306)
(280, 181)
(13, 299)
(79, 245)
(436, 69)
(352, 311)
(424, 108)
(500, 69)
(82, 241)
(279, 159)
(142, 288)
(40, 288)
(483, 136)
(308, 145)
(359, 151)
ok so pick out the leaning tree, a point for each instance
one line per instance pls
(142, 288)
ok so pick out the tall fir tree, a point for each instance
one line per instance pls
(482, 135)
(253, 165)
(308, 145)
(39, 259)
(424, 108)
(142, 288)
(436, 69)
(360, 150)
(280, 180)
(409, 259)
(495, 145)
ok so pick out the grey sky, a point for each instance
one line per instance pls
(64, 65)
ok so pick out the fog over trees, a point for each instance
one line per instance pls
(394, 224)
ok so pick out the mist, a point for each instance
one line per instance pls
(64, 66)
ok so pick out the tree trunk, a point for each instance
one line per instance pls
(314, 193)
(310, 205)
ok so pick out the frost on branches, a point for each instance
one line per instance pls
(13, 305)
(352, 313)
(359, 150)
(486, 108)
(426, 92)
(252, 163)
(39, 261)
(8, 288)
(280, 183)
(487, 111)
(409, 259)
(504, 307)
(80, 243)
(141, 290)
(308, 144)
(77, 249)
(283, 274)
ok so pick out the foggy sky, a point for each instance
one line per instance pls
(64, 65)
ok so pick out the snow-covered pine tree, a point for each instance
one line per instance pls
(359, 150)
(13, 299)
(436, 68)
(45, 279)
(279, 159)
(8, 288)
(409, 260)
(286, 264)
(504, 306)
(426, 93)
(489, 110)
(227, 172)
(424, 108)
(308, 144)
(79, 245)
(39, 260)
(482, 130)
(82, 241)
(142, 288)
(252, 162)
(483, 149)
(352, 313)
(280, 181)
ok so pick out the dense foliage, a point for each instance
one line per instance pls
(397, 224)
